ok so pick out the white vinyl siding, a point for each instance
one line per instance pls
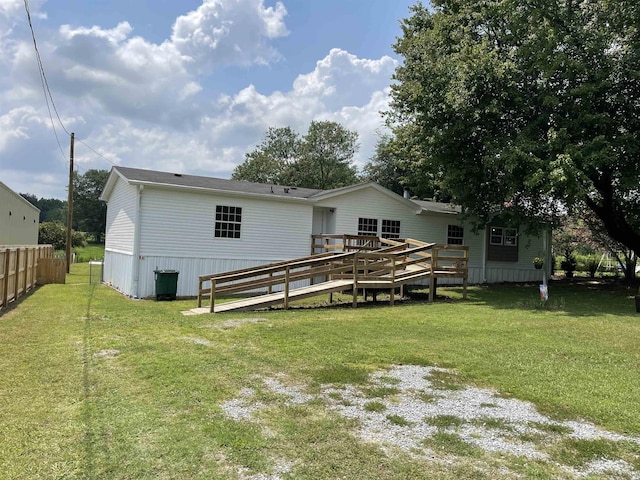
(181, 224)
(19, 219)
(371, 203)
(121, 218)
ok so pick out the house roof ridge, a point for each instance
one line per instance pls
(186, 180)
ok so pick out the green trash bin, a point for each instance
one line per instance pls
(166, 284)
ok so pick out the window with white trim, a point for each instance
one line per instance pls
(455, 235)
(390, 229)
(503, 236)
(503, 244)
(367, 226)
(228, 221)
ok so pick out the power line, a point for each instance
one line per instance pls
(48, 97)
(43, 81)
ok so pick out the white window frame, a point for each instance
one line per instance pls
(368, 226)
(390, 228)
(452, 235)
(505, 236)
(228, 222)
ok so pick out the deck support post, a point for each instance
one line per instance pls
(213, 296)
(355, 281)
(393, 281)
(199, 292)
(286, 287)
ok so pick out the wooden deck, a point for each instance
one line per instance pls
(381, 264)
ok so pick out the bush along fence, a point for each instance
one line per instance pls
(19, 269)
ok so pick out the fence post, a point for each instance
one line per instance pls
(199, 292)
(7, 264)
(16, 281)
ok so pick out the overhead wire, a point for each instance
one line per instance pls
(43, 81)
(49, 97)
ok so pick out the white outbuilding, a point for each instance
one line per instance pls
(19, 219)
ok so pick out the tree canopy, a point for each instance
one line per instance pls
(526, 110)
(89, 213)
(322, 158)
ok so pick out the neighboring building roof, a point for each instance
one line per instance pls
(438, 207)
(137, 176)
(19, 197)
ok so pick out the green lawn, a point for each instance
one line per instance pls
(94, 385)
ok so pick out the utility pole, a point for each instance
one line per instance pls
(70, 202)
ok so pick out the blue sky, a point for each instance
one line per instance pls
(185, 86)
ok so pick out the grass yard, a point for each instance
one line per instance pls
(97, 386)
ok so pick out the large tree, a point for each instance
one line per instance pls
(89, 213)
(322, 158)
(527, 109)
(395, 165)
(277, 151)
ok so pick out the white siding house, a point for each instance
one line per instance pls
(18, 219)
(201, 225)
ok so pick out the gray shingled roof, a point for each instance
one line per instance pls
(137, 175)
(438, 207)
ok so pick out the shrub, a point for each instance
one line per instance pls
(55, 233)
(591, 266)
(569, 265)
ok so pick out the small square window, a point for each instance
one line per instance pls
(390, 228)
(368, 226)
(496, 236)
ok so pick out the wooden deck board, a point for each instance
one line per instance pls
(270, 299)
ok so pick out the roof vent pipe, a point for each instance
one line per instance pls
(406, 192)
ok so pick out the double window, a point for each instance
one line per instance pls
(369, 226)
(503, 236)
(228, 221)
(503, 244)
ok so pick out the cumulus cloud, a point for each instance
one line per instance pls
(151, 105)
(233, 32)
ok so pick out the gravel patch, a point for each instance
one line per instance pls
(106, 354)
(199, 341)
(238, 322)
(479, 417)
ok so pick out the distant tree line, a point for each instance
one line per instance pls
(89, 213)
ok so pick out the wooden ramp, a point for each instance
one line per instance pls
(393, 264)
(277, 298)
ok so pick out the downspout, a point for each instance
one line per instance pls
(136, 243)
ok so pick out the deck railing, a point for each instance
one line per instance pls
(392, 264)
(19, 269)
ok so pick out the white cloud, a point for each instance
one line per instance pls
(231, 32)
(149, 105)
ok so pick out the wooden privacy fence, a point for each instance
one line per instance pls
(19, 269)
(381, 264)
